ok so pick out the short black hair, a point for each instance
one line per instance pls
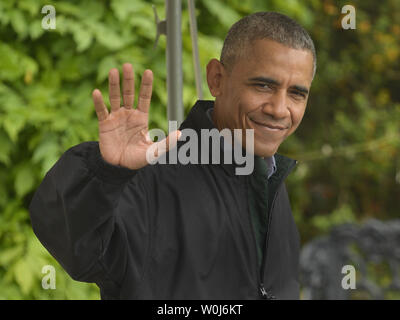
(265, 25)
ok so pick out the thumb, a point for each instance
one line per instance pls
(157, 149)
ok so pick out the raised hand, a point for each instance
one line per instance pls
(123, 132)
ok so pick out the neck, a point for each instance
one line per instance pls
(218, 123)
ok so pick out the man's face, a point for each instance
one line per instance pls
(266, 90)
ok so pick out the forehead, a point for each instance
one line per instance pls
(270, 58)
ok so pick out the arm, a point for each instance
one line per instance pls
(77, 208)
(91, 197)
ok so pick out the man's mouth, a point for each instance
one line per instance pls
(268, 126)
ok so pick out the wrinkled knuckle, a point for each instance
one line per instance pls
(145, 96)
(115, 97)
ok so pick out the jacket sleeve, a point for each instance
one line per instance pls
(82, 211)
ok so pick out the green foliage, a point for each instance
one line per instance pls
(46, 80)
(348, 143)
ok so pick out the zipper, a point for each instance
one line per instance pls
(264, 294)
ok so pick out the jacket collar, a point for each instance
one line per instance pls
(197, 119)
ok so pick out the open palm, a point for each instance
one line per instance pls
(123, 132)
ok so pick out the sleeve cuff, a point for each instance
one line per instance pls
(106, 171)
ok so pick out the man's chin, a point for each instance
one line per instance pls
(262, 149)
(265, 151)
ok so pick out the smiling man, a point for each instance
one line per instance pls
(263, 79)
(175, 231)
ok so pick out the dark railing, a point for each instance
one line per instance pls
(370, 251)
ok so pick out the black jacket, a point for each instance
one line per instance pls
(165, 231)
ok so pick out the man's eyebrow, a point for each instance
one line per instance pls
(300, 89)
(277, 83)
(265, 80)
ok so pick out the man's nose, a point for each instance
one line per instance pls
(277, 105)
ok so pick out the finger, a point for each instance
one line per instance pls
(100, 107)
(158, 149)
(172, 139)
(146, 88)
(114, 90)
(168, 143)
(128, 85)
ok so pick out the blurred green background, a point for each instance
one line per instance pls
(348, 143)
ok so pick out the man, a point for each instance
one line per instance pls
(175, 231)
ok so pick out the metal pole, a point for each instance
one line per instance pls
(195, 49)
(174, 61)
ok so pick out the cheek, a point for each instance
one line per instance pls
(296, 117)
(249, 102)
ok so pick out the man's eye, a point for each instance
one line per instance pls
(263, 86)
(298, 95)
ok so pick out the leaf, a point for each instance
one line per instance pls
(31, 6)
(35, 29)
(82, 37)
(47, 153)
(90, 10)
(47, 147)
(18, 23)
(5, 148)
(105, 65)
(68, 8)
(9, 291)
(9, 63)
(224, 13)
(125, 8)
(106, 36)
(14, 64)
(13, 124)
(70, 67)
(8, 255)
(24, 180)
(144, 26)
(23, 275)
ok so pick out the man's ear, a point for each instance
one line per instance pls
(215, 74)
